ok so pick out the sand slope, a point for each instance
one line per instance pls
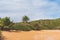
(32, 35)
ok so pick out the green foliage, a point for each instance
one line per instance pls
(27, 26)
(17, 27)
(1, 22)
(25, 19)
(39, 25)
(21, 27)
(0, 34)
(5, 23)
(1, 38)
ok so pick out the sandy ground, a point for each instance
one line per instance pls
(32, 35)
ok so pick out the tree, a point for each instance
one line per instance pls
(7, 23)
(25, 19)
(1, 22)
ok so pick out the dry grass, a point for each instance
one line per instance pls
(32, 35)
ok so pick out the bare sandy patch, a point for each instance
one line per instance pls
(32, 35)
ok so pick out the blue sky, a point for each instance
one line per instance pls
(35, 9)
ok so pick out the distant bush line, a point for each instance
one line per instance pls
(25, 25)
(38, 25)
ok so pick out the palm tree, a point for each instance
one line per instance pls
(25, 19)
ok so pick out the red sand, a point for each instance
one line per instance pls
(32, 35)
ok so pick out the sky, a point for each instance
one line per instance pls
(34, 9)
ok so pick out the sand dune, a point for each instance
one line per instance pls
(32, 35)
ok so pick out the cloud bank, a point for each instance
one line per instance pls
(35, 9)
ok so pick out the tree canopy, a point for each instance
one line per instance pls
(25, 19)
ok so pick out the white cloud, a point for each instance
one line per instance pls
(35, 9)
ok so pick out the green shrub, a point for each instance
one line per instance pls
(21, 27)
(17, 27)
(1, 36)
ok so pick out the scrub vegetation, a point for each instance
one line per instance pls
(26, 25)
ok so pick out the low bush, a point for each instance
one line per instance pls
(1, 36)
